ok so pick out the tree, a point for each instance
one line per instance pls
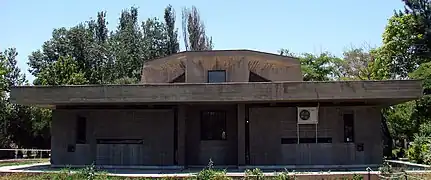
(85, 43)
(286, 52)
(322, 67)
(195, 38)
(399, 39)
(363, 63)
(17, 122)
(156, 39)
(2, 77)
(64, 71)
(128, 45)
(172, 32)
(420, 11)
(13, 75)
(51, 50)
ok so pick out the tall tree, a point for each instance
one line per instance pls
(195, 38)
(13, 76)
(172, 32)
(16, 121)
(399, 39)
(155, 41)
(128, 46)
(420, 10)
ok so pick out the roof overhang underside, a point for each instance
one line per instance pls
(373, 92)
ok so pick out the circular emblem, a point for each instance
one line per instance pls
(304, 114)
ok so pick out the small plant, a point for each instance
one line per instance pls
(211, 174)
(357, 177)
(386, 168)
(89, 172)
(284, 176)
(254, 174)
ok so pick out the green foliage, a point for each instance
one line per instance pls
(420, 11)
(357, 177)
(419, 150)
(100, 57)
(284, 176)
(356, 64)
(253, 174)
(399, 37)
(125, 81)
(172, 32)
(319, 68)
(64, 71)
(88, 173)
(209, 173)
(423, 73)
(399, 120)
(3, 81)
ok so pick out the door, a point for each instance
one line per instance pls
(212, 135)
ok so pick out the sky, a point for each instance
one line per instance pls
(301, 26)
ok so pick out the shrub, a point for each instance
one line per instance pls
(284, 176)
(253, 174)
(419, 151)
(211, 174)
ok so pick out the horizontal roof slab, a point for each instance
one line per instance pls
(383, 91)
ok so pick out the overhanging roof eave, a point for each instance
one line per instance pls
(392, 91)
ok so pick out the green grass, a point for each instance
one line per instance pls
(22, 162)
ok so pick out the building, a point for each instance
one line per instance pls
(236, 107)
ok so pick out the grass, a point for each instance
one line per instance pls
(250, 175)
(22, 162)
(54, 176)
(92, 173)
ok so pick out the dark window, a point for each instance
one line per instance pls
(81, 130)
(213, 125)
(349, 129)
(253, 77)
(216, 76)
(179, 79)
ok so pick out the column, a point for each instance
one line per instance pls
(241, 133)
(181, 152)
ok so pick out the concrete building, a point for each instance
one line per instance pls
(235, 107)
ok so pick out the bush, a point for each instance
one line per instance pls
(419, 151)
(211, 174)
(253, 174)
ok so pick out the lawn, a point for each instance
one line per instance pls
(78, 176)
(15, 162)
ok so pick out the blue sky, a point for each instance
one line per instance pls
(298, 25)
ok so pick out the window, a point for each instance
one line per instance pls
(216, 76)
(349, 128)
(253, 77)
(213, 125)
(81, 130)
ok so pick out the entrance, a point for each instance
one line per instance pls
(211, 135)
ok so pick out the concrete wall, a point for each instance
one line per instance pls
(268, 125)
(237, 64)
(152, 126)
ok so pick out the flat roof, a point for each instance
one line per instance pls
(379, 92)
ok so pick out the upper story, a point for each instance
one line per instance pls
(220, 66)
